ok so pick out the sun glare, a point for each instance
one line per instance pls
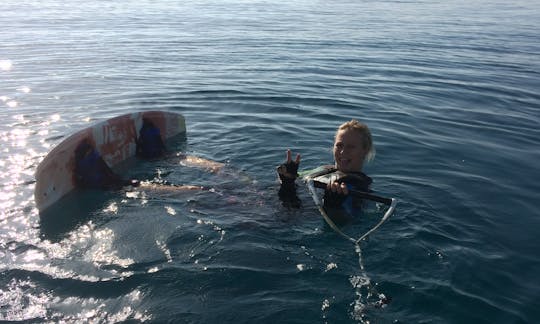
(5, 65)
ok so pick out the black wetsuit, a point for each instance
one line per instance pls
(341, 208)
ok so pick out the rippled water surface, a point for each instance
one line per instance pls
(448, 88)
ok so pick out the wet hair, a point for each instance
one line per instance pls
(364, 131)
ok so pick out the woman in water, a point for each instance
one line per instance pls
(353, 146)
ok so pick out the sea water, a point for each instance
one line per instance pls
(450, 90)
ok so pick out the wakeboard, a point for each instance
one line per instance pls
(115, 140)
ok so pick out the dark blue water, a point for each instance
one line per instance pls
(448, 88)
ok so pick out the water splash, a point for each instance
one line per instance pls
(367, 296)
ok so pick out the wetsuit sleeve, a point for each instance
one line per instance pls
(288, 172)
(333, 199)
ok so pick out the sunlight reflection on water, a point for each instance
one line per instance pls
(6, 65)
(22, 301)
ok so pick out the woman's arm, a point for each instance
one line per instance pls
(288, 172)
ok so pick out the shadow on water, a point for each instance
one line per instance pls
(73, 210)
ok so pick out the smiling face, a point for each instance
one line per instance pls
(349, 150)
(352, 146)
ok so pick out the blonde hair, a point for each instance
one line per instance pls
(364, 131)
